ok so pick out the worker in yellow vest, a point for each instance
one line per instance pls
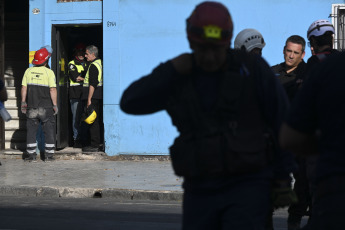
(93, 96)
(76, 72)
(39, 103)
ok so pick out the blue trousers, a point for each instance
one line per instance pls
(76, 108)
(244, 204)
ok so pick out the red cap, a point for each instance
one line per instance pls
(210, 22)
(41, 56)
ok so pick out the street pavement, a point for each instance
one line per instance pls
(76, 175)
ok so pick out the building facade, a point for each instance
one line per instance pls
(134, 37)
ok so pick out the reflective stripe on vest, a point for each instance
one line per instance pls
(98, 64)
(80, 69)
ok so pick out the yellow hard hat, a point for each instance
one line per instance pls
(90, 115)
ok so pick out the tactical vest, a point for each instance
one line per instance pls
(80, 69)
(98, 64)
(229, 140)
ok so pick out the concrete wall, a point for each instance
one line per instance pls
(139, 34)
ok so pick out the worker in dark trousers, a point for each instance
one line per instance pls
(315, 126)
(291, 72)
(76, 72)
(227, 106)
(320, 36)
(93, 96)
(39, 103)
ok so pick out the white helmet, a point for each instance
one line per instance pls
(319, 28)
(250, 39)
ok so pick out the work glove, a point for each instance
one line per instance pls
(23, 107)
(56, 110)
(282, 194)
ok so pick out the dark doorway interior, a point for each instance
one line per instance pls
(64, 39)
(89, 34)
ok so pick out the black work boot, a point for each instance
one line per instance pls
(294, 222)
(77, 144)
(30, 158)
(49, 159)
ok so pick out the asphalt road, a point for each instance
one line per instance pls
(87, 213)
(96, 213)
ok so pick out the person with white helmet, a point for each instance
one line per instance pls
(250, 40)
(319, 108)
(320, 36)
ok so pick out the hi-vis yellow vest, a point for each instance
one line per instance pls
(98, 64)
(80, 69)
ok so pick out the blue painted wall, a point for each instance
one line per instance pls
(51, 12)
(139, 34)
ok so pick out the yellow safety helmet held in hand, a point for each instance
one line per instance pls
(90, 115)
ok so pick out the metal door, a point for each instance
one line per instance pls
(59, 66)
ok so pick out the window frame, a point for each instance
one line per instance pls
(338, 20)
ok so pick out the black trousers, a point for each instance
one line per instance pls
(328, 204)
(243, 204)
(93, 130)
(302, 190)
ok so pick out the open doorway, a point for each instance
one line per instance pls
(64, 39)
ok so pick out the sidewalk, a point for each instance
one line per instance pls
(76, 175)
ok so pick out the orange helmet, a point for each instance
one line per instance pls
(41, 56)
(210, 22)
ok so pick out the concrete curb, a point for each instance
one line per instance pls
(76, 154)
(65, 192)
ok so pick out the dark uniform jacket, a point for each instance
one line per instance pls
(214, 105)
(321, 106)
(75, 91)
(290, 81)
(316, 59)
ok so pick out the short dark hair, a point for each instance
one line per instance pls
(325, 39)
(297, 40)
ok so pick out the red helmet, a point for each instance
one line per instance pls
(210, 22)
(79, 49)
(41, 56)
(79, 46)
